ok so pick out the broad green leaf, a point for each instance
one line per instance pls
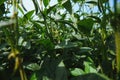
(46, 2)
(77, 72)
(2, 1)
(61, 64)
(29, 14)
(89, 67)
(33, 77)
(46, 42)
(33, 67)
(67, 5)
(85, 25)
(51, 8)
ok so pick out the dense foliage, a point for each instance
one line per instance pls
(70, 40)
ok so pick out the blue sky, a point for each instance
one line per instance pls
(30, 6)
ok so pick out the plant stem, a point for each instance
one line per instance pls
(22, 73)
(117, 42)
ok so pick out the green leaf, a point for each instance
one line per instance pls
(46, 42)
(46, 2)
(97, 19)
(118, 7)
(77, 72)
(75, 1)
(2, 9)
(2, 1)
(59, 0)
(61, 73)
(45, 78)
(33, 77)
(63, 45)
(68, 23)
(29, 14)
(36, 5)
(85, 25)
(104, 1)
(101, 6)
(27, 44)
(33, 66)
(51, 8)
(85, 49)
(92, 2)
(67, 5)
(19, 8)
(89, 67)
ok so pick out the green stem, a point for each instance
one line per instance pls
(117, 42)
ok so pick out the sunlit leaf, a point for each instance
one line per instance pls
(27, 44)
(77, 72)
(89, 67)
(33, 67)
(29, 14)
(85, 49)
(33, 77)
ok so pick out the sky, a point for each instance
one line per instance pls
(28, 4)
